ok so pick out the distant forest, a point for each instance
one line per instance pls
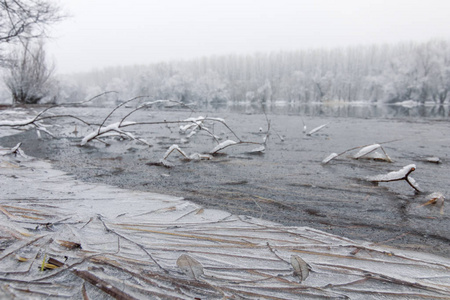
(378, 73)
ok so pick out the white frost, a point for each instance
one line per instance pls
(317, 129)
(216, 119)
(195, 120)
(366, 150)
(16, 123)
(258, 150)
(396, 175)
(173, 148)
(414, 183)
(222, 145)
(198, 156)
(112, 127)
(329, 157)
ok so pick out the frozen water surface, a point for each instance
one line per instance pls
(125, 243)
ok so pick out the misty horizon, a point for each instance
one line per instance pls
(103, 34)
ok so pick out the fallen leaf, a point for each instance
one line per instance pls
(69, 245)
(301, 268)
(190, 266)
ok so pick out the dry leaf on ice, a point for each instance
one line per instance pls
(190, 266)
(301, 268)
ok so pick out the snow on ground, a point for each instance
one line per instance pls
(97, 241)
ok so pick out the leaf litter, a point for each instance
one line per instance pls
(100, 241)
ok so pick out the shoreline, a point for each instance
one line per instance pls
(43, 207)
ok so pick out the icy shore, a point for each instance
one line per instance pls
(128, 244)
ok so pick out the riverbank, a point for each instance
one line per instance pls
(101, 241)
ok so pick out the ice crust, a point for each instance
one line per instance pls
(132, 241)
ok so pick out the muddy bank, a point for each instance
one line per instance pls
(287, 183)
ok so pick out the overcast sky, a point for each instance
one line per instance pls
(103, 33)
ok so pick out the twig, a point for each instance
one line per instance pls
(358, 147)
(131, 241)
(93, 98)
(116, 108)
(83, 292)
(274, 253)
(148, 104)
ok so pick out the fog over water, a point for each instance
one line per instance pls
(105, 33)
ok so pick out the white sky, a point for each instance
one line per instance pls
(104, 33)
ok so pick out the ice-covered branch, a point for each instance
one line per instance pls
(402, 174)
(362, 153)
(112, 128)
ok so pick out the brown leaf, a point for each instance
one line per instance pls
(69, 245)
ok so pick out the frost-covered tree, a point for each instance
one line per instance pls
(22, 20)
(210, 88)
(379, 73)
(29, 76)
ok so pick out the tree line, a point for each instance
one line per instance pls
(413, 71)
(377, 73)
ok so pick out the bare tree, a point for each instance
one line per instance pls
(29, 77)
(22, 20)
